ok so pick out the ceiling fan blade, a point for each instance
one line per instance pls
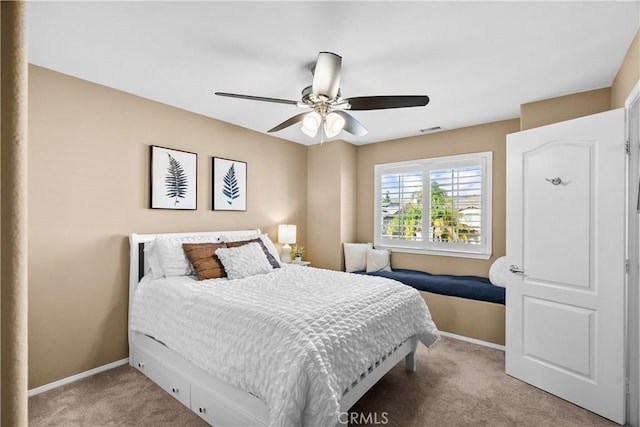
(257, 98)
(289, 122)
(383, 102)
(351, 125)
(326, 75)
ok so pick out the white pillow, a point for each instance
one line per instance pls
(378, 259)
(171, 257)
(355, 256)
(271, 247)
(153, 260)
(244, 261)
(238, 237)
(498, 272)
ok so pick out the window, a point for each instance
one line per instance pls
(439, 206)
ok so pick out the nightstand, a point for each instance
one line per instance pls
(301, 263)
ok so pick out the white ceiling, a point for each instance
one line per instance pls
(477, 61)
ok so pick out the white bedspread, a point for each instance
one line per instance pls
(296, 337)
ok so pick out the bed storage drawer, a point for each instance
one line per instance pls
(213, 407)
(209, 408)
(164, 376)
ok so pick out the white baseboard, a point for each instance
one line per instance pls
(77, 377)
(472, 340)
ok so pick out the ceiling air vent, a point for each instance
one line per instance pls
(431, 129)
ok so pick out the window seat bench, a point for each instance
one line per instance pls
(471, 287)
(463, 305)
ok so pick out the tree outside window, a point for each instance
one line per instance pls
(446, 223)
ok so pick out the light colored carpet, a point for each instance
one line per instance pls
(457, 384)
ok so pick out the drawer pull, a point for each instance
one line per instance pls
(175, 389)
(202, 409)
(140, 365)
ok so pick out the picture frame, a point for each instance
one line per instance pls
(229, 189)
(173, 181)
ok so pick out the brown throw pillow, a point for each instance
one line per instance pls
(204, 259)
(274, 263)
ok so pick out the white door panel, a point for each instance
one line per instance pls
(558, 210)
(565, 230)
(545, 342)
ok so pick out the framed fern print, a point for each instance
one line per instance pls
(229, 185)
(173, 179)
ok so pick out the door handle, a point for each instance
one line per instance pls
(554, 181)
(515, 269)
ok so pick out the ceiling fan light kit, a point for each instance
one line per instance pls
(328, 115)
(330, 125)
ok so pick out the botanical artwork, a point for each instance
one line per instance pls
(173, 178)
(229, 185)
(176, 181)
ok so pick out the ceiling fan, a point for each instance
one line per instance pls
(323, 97)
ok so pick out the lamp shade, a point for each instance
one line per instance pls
(333, 124)
(311, 124)
(286, 233)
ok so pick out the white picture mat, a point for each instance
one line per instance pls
(221, 168)
(160, 164)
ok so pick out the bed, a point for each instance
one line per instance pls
(341, 333)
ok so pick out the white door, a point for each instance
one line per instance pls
(565, 245)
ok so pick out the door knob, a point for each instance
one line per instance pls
(555, 181)
(515, 269)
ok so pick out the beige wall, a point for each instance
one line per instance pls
(89, 189)
(554, 110)
(330, 202)
(488, 137)
(348, 192)
(628, 74)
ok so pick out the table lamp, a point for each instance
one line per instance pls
(286, 235)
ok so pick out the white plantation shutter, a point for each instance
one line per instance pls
(439, 206)
(461, 209)
(401, 194)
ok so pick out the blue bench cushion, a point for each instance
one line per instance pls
(471, 287)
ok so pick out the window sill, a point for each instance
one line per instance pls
(456, 254)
